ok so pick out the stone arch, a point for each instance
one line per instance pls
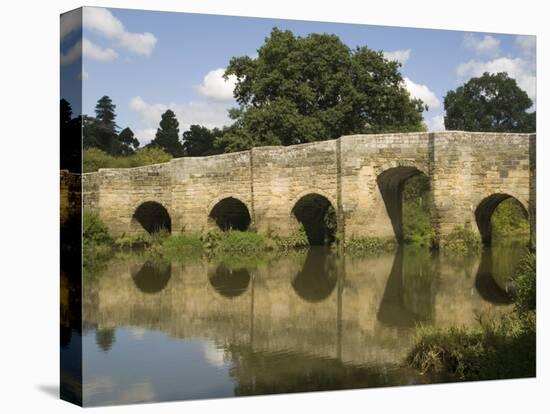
(152, 217)
(485, 210)
(391, 183)
(229, 282)
(310, 210)
(230, 213)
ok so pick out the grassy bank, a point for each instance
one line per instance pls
(99, 245)
(501, 346)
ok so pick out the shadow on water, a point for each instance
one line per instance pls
(229, 282)
(487, 279)
(318, 277)
(152, 277)
(410, 290)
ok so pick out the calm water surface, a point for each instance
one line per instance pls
(310, 321)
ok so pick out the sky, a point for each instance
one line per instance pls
(148, 62)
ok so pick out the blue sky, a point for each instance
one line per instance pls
(148, 61)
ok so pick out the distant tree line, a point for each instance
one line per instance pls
(313, 88)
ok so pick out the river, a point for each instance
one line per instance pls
(208, 328)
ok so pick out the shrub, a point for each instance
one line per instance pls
(182, 246)
(525, 283)
(462, 240)
(369, 245)
(93, 159)
(241, 242)
(509, 219)
(94, 230)
(297, 240)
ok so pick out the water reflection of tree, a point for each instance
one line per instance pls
(105, 338)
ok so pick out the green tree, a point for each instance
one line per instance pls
(101, 131)
(167, 136)
(128, 142)
(105, 113)
(490, 103)
(199, 141)
(302, 89)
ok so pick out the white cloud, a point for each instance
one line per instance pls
(208, 114)
(214, 86)
(70, 22)
(400, 55)
(103, 22)
(422, 92)
(435, 123)
(83, 75)
(527, 44)
(487, 45)
(522, 70)
(145, 135)
(72, 54)
(95, 52)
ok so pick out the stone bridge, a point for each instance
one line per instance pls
(273, 189)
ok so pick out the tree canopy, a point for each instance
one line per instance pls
(199, 141)
(303, 89)
(490, 103)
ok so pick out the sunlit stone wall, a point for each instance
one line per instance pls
(361, 176)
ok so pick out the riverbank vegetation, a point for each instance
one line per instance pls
(501, 347)
(99, 245)
(93, 159)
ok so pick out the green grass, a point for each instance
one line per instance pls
(501, 347)
(93, 159)
(364, 246)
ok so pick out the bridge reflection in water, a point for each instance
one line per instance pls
(306, 321)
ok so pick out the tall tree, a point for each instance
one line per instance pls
(302, 89)
(490, 103)
(167, 136)
(101, 131)
(105, 113)
(199, 141)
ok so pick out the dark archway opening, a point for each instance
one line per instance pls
(231, 214)
(512, 217)
(153, 217)
(152, 277)
(318, 277)
(406, 195)
(317, 215)
(229, 282)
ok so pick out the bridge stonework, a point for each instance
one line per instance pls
(361, 176)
